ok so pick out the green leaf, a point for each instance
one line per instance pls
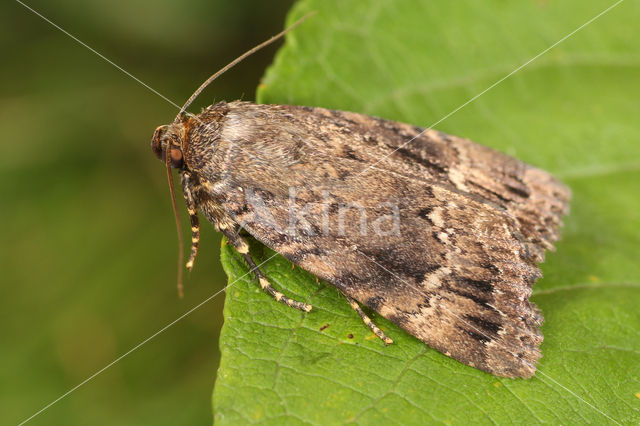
(572, 111)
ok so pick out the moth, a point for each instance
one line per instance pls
(452, 233)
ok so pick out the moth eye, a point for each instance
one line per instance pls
(176, 158)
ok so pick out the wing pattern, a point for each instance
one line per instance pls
(441, 236)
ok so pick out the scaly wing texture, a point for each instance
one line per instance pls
(451, 235)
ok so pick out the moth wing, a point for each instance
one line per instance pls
(452, 267)
(532, 196)
(455, 274)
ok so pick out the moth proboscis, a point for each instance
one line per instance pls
(436, 233)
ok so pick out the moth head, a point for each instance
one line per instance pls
(166, 139)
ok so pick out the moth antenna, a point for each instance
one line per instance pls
(239, 59)
(177, 217)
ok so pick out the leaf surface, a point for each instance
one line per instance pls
(572, 111)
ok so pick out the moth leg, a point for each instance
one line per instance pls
(241, 245)
(188, 189)
(356, 307)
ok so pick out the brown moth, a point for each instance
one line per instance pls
(452, 235)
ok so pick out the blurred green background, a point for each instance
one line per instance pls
(88, 250)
